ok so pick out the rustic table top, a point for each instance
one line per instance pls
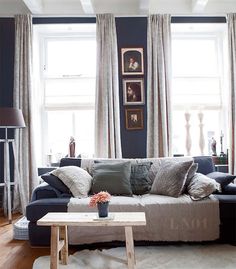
(92, 219)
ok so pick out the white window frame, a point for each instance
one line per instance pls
(44, 38)
(219, 41)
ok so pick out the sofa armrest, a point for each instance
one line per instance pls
(43, 191)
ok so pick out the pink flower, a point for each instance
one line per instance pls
(101, 197)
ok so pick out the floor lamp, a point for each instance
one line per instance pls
(10, 118)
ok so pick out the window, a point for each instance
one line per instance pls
(199, 87)
(67, 71)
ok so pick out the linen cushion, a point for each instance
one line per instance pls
(170, 178)
(191, 172)
(202, 186)
(55, 182)
(113, 177)
(76, 179)
(140, 182)
(223, 178)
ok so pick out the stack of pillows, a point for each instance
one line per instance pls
(121, 177)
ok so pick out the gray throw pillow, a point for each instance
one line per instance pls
(140, 182)
(202, 186)
(112, 177)
(170, 178)
(191, 172)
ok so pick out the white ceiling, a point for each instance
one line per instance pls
(117, 7)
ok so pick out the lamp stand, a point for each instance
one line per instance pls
(7, 179)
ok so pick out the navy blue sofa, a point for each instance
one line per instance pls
(48, 199)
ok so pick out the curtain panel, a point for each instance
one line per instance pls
(159, 86)
(231, 19)
(107, 115)
(27, 178)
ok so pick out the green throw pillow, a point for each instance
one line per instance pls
(112, 177)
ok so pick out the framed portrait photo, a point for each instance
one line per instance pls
(132, 61)
(134, 119)
(133, 91)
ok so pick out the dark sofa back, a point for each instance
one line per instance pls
(205, 164)
(70, 162)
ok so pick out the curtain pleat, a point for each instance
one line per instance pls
(159, 86)
(107, 115)
(231, 20)
(26, 177)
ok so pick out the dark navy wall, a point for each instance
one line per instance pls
(132, 32)
(7, 47)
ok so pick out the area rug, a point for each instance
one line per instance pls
(152, 257)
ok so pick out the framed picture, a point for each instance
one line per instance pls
(133, 91)
(134, 119)
(132, 61)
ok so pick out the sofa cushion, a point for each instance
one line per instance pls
(37, 209)
(139, 178)
(230, 189)
(223, 178)
(113, 177)
(70, 162)
(140, 182)
(76, 179)
(170, 178)
(202, 186)
(205, 164)
(55, 182)
(191, 172)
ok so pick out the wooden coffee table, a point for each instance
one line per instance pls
(60, 221)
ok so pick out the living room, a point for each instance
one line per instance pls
(133, 80)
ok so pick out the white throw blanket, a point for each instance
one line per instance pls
(168, 219)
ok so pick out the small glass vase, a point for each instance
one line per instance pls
(103, 209)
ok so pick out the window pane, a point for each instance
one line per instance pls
(196, 91)
(71, 57)
(198, 58)
(69, 91)
(64, 124)
(194, 57)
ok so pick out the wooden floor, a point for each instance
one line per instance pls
(16, 254)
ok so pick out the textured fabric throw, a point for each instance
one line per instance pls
(202, 186)
(76, 179)
(170, 178)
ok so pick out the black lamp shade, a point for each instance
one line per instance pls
(11, 118)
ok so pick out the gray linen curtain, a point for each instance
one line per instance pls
(158, 86)
(107, 115)
(27, 177)
(231, 19)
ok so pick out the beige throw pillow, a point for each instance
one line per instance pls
(170, 178)
(76, 179)
(202, 186)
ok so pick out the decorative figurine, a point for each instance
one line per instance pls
(221, 144)
(213, 146)
(72, 147)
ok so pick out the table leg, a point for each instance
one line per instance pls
(129, 247)
(64, 250)
(54, 261)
